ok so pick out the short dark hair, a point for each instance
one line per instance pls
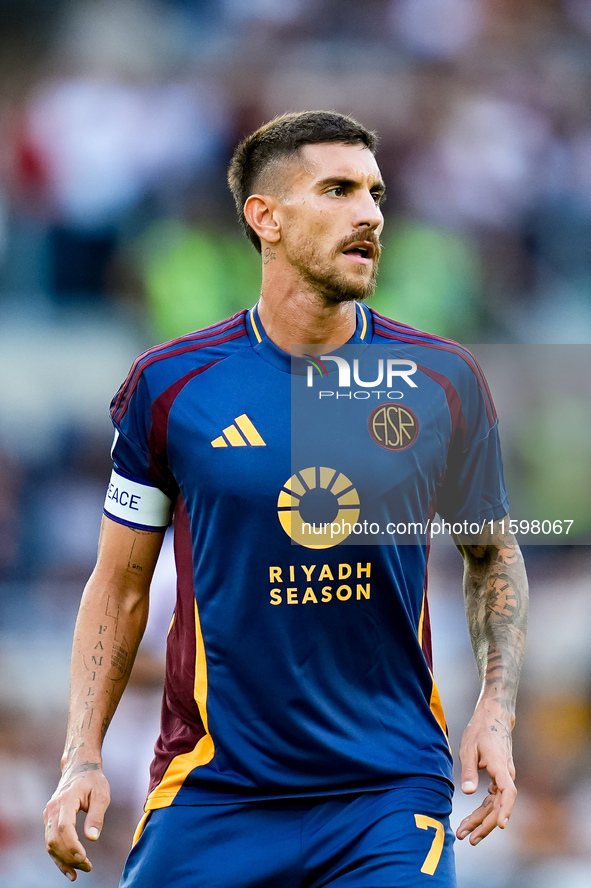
(284, 136)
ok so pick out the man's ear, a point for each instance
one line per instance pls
(259, 212)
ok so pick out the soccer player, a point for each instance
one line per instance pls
(303, 741)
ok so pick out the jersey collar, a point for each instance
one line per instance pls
(282, 359)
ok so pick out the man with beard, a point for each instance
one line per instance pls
(303, 741)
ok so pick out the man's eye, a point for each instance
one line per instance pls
(337, 191)
(378, 197)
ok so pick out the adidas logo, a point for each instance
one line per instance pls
(240, 434)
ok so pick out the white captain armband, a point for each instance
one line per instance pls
(139, 505)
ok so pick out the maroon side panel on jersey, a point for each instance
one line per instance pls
(181, 724)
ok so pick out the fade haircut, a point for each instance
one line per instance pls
(280, 139)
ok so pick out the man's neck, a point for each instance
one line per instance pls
(301, 317)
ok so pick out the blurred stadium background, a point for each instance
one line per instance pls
(117, 120)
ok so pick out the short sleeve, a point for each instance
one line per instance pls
(473, 487)
(138, 494)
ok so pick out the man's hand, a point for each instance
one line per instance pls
(83, 787)
(486, 743)
(495, 594)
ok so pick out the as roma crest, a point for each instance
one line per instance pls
(393, 426)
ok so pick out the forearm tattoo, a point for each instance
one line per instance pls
(496, 594)
(111, 622)
(109, 659)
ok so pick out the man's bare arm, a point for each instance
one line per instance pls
(109, 628)
(496, 599)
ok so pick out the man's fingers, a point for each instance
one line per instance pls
(469, 760)
(70, 870)
(473, 820)
(66, 870)
(98, 804)
(61, 837)
(484, 829)
(70, 864)
(480, 822)
(494, 811)
(68, 860)
(92, 828)
(491, 820)
(469, 782)
(64, 845)
(505, 795)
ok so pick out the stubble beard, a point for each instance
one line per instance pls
(336, 287)
(332, 285)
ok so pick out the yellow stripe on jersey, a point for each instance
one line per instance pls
(182, 765)
(435, 704)
(364, 313)
(422, 619)
(436, 708)
(254, 326)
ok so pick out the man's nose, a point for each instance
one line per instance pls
(368, 213)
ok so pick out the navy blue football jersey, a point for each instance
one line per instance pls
(299, 656)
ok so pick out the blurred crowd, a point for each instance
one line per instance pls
(117, 230)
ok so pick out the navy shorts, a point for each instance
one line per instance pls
(397, 838)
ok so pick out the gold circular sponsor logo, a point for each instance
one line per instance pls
(393, 426)
(317, 507)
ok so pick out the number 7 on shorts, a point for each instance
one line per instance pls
(434, 855)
